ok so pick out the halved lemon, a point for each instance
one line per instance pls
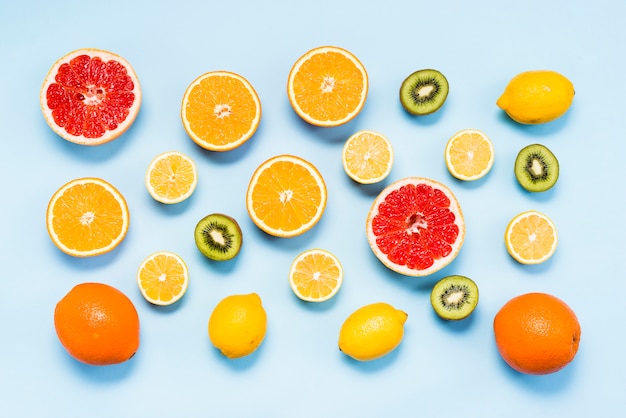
(367, 157)
(531, 237)
(163, 278)
(469, 154)
(171, 177)
(316, 275)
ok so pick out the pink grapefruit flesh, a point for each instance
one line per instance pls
(90, 96)
(415, 226)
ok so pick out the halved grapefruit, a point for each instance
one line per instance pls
(90, 96)
(415, 226)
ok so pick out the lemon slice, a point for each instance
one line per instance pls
(469, 154)
(316, 275)
(163, 278)
(171, 177)
(531, 237)
(367, 157)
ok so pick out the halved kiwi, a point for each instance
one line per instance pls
(454, 297)
(536, 168)
(218, 237)
(424, 92)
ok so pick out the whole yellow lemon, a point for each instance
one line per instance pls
(535, 97)
(372, 331)
(238, 324)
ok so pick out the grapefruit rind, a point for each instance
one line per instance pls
(109, 135)
(439, 263)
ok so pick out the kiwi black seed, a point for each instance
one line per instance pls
(454, 297)
(424, 92)
(218, 237)
(536, 168)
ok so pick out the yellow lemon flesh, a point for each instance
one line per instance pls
(372, 331)
(237, 325)
(535, 97)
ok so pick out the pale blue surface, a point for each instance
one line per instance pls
(440, 368)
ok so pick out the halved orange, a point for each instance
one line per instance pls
(220, 110)
(316, 275)
(327, 86)
(531, 237)
(163, 278)
(367, 157)
(90, 96)
(171, 177)
(286, 196)
(87, 217)
(469, 154)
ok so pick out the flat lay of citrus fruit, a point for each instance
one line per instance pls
(97, 324)
(238, 324)
(537, 333)
(221, 110)
(469, 154)
(87, 217)
(90, 96)
(163, 278)
(415, 226)
(327, 86)
(539, 96)
(531, 237)
(171, 177)
(367, 157)
(286, 196)
(316, 275)
(372, 331)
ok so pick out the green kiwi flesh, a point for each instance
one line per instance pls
(218, 237)
(454, 297)
(536, 168)
(424, 92)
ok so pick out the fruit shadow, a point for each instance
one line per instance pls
(372, 366)
(335, 134)
(100, 375)
(533, 269)
(98, 153)
(546, 196)
(89, 263)
(546, 385)
(423, 120)
(297, 243)
(461, 325)
(538, 130)
(170, 209)
(240, 364)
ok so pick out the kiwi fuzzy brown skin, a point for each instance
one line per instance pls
(218, 237)
(424, 92)
(536, 168)
(454, 297)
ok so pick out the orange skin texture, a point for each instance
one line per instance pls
(537, 333)
(97, 324)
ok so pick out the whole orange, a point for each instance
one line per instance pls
(537, 333)
(97, 324)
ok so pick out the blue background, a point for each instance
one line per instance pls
(440, 367)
